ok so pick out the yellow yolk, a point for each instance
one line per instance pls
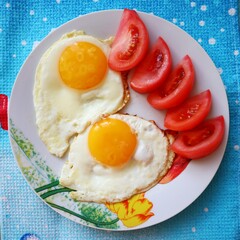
(111, 142)
(82, 65)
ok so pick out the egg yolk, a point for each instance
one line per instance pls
(82, 65)
(111, 142)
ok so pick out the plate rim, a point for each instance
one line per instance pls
(52, 33)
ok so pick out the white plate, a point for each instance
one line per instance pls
(40, 168)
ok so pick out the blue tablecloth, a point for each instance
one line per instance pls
(214, 24)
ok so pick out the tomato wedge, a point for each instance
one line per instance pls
(201, 141)
(153, 71)
(176, 88)
(130, 44)
(190, 113)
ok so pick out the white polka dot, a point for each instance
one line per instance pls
(44, 19)
(23, 42)
(1, 30)
(220, 70)
(193, 229)
(232, 11)
(236, 52)
(95, 0)
(199, 40)
(203, 8)
(211, 41)
(174, 20)
(202, 23)
(205, 209)
(237, 101)
(58, 1)
(14, 55)
(193, 4)
(222, 30)
(31, 12)
(182, 23)
(236, 147)
(8, 5)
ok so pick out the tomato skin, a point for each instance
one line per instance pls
(178, 165)
(176, 88)
(190, 113)
(153, 71)
(202, 140)
(130, 44)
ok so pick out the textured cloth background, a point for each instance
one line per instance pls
(214, 24)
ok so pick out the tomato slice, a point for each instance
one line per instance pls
(201, 141)
(176, 88)
(190, 113)
(130, 44)
(153, 71)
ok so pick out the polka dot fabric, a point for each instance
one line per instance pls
(214, 24)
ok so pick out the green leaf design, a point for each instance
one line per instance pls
(91, 212)
(32, 175)
(39, 167)
(52, 184)
(108, 223)
(102, 217)
(55, 191)
(24, 144)
(46, 184)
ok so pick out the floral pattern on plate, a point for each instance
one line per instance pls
(132, 212)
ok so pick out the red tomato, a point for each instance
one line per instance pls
(130, 43)
(176, 88)
(178, 165)
(201, 141)
(190, 113)
(153, 71)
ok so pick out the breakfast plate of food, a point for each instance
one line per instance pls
(118, 127)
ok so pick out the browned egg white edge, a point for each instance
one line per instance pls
(168, 163)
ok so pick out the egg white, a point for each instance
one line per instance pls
(97, 183)
(62, 111)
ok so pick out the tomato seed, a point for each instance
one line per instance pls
(191, 111)
(132, 47)
(165, 91)
(156, 61)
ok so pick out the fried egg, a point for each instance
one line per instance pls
(115, 158)
(73, 88)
